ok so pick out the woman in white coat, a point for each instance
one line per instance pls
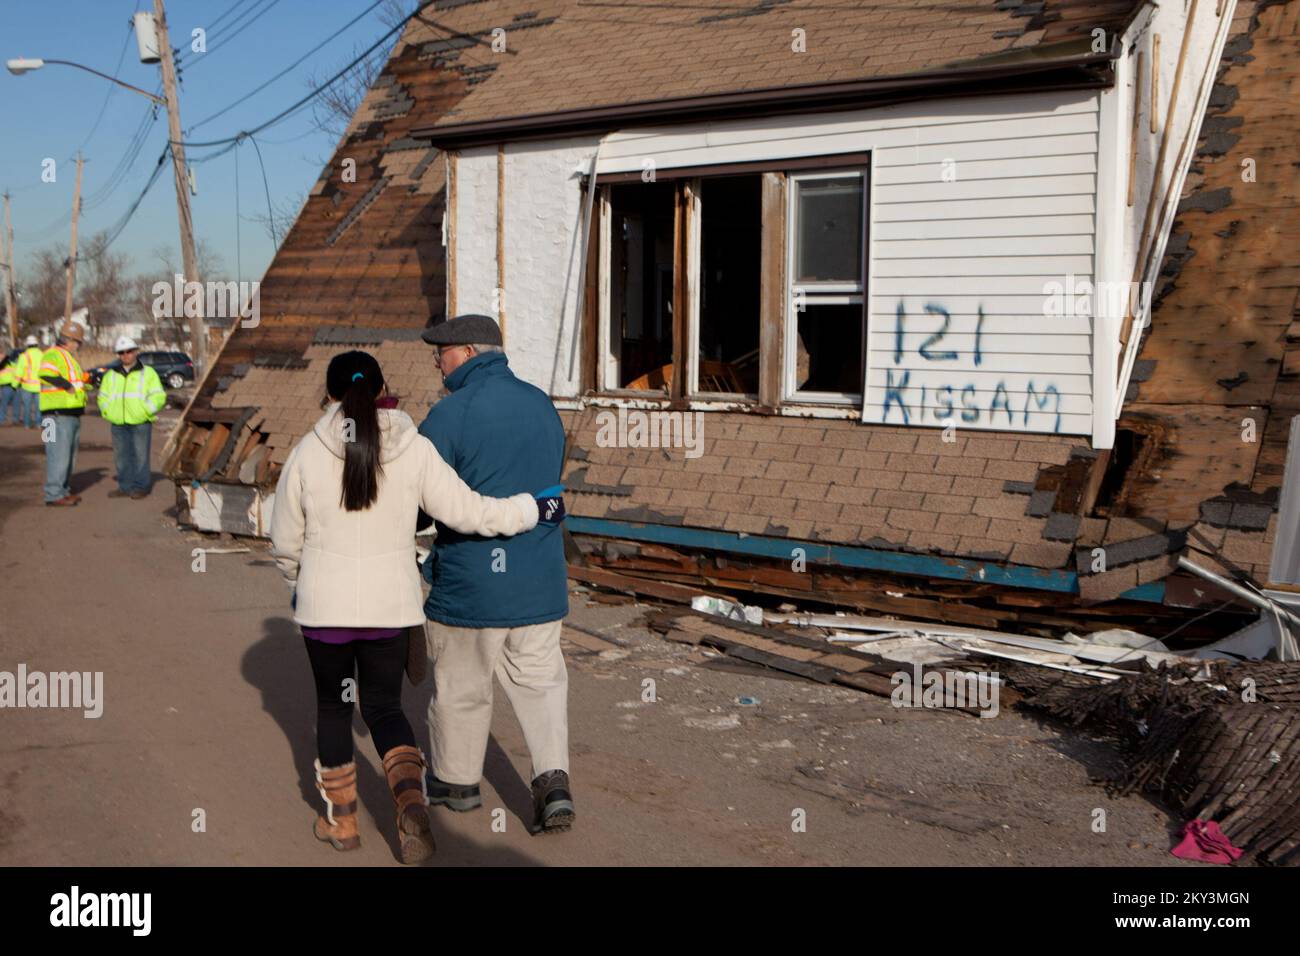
(343, 535)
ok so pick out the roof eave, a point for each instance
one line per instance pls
(1031, 74)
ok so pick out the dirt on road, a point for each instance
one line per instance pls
(203, 753)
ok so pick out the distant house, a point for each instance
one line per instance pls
(901, 259)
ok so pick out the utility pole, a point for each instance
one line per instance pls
(72, 247)
(11, 297)
(198, 326)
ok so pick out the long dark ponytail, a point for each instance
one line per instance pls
(355, 380)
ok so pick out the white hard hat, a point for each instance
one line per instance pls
(125, 344)
(31, 340)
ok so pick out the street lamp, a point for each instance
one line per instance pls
(21, 65)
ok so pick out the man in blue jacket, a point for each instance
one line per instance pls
(497, 604)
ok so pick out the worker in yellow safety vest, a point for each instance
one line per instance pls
(8, 387)
(29, 382)
(130, 397)
(63, 400)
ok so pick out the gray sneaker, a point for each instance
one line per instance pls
(552, 802)
(460, 797)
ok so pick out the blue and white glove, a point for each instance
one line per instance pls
(550, 505)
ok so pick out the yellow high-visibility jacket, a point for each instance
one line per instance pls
(133, 398)
(9, 375)
(54, 398)
(29, 368)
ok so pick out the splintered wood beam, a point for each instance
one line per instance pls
(1137, 124)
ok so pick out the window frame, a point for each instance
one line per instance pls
(686, 329)
(827, 293)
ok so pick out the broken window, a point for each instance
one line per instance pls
(685, 256)
(642, 275)
(827, 286)
(731, 234)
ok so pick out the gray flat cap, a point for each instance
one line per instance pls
(469, 329)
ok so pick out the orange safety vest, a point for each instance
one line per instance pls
(59, 361)
(29, 368)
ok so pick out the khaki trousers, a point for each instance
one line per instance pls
(530, 666)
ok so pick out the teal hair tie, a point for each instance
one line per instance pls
(357, 375)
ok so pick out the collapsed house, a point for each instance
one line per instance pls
(967, 314)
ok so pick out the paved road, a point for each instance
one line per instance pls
(208, 706)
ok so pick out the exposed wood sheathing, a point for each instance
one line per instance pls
(1220, 366)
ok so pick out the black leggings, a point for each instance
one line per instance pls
(378, 667)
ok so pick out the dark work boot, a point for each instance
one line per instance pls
(458, 796)
(552, 802)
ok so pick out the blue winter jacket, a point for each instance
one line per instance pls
(502, 436)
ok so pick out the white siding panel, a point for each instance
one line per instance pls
(1076, 226)
(960, 273)
(977, 204)
(1009, 265)
(992, 247)
(941, 192)
(951, 168)
(1018, 148)
(983, 285)
(1008, 209)
(1018, 314)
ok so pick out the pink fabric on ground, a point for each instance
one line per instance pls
(1204, 841)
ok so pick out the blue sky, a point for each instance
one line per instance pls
(52, 112)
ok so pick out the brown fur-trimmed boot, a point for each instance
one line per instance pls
(404, 768)
(338, 785)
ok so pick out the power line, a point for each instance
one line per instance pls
(288, 68)
(283, 114)
(275, 240)
(229, 10)
(126, 162)
(116, 229)
(225, 38)
(112, 86)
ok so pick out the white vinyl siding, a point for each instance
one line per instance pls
(1016, 213)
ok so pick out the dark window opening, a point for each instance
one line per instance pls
(731, 235)
(828, 349)
(641, 291)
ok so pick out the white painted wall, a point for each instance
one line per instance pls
(543, 249)
(977, 205)
(476, 230)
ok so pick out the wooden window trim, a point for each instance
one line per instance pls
(845, 160)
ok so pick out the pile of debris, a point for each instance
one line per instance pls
(1217, 740)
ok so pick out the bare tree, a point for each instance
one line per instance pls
(41, 286)
(334, 108)
(103, 284)
(172, 331)
(285, 212)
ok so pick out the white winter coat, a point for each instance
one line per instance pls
(358, 568)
